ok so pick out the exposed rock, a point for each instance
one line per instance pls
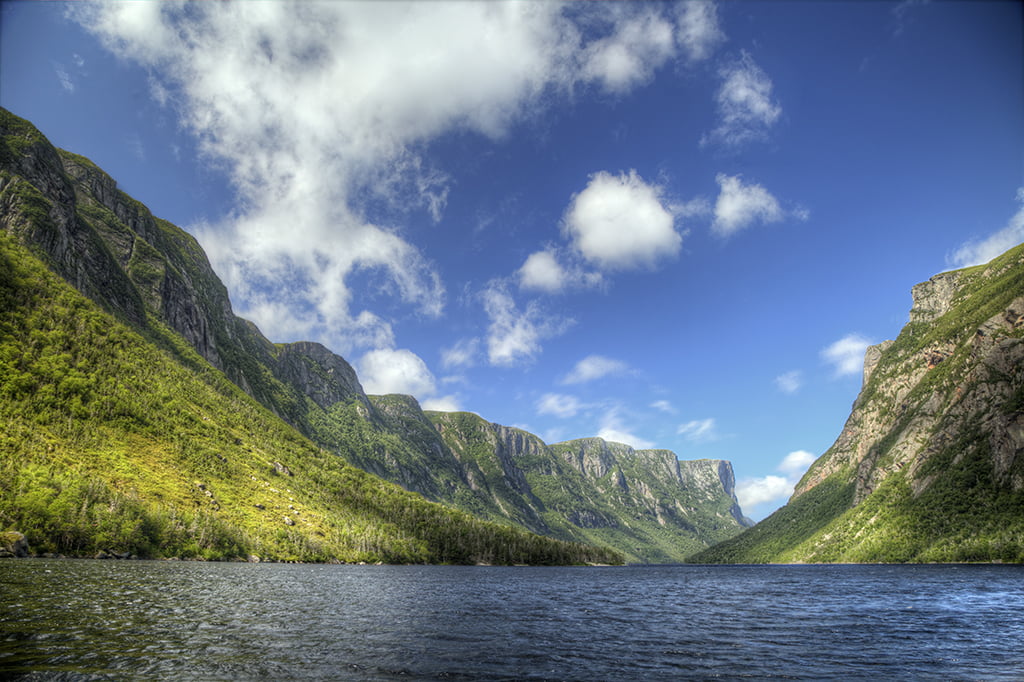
(318, 373)
(931, 458)
(933, 298)
(13, 544)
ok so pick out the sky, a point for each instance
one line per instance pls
(669, 225)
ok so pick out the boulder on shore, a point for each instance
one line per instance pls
(13, 544)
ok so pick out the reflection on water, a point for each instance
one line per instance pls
(164, 620)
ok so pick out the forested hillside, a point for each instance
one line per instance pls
(120, 437)
(930, 464)
(155, 279)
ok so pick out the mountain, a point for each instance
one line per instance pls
(150, 282)
(121, 431)
(930, 464)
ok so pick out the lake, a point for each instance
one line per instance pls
(77, 619)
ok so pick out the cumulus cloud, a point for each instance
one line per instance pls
(594, 367)
(699, 430)
(630, 55)
(319, 112)
(448, 403)
(618, 222)
(976, 253)
(514, 335)
(559, 405)
(746, 108)
(790, 382)
(543, 271)
(639, 41)
(847, 355)
(385, 371)
(740, 205)
(614, 431)
(753, 492)
(796, 463)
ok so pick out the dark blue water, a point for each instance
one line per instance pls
(173, 620)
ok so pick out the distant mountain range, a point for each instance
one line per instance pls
(142, 417)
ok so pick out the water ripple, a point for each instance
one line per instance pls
(173, 620)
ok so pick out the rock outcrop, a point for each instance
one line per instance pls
(930, 464)
(13, 544)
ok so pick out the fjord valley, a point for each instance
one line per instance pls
(142, 417)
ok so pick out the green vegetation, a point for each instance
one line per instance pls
(932, 466)
(109, 443)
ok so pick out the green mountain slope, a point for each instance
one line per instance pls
(930, 464)
(110, 442)
(155, 278)
(118, 435)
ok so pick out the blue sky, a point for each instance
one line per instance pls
(674, 226)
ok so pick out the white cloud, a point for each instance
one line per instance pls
(619, 222)
(385, 371)
(613, 431)
(663, 406)
(514, 336)
(448, 403)
(63, 77)
(790, 382)
(698, 30)
(847, 355)
(976, 253)
(542, 271)
(594, 367)
(462, 354)
(318, 111)
(699, 430)
(559, 405)
(746, 108)
(796, 463)
(629, 56)
(752, 492)
(740, 205)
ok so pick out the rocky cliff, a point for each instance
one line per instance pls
(930, 464)
(156, 278)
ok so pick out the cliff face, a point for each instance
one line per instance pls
(930, 464)
(155, 277)
(646, 503)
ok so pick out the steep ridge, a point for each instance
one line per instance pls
(930, 464)
(121, 432)
(155, 278)
(111, 447)
(645, 503)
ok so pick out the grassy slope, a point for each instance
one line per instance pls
(110, 442)
(966, 513)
